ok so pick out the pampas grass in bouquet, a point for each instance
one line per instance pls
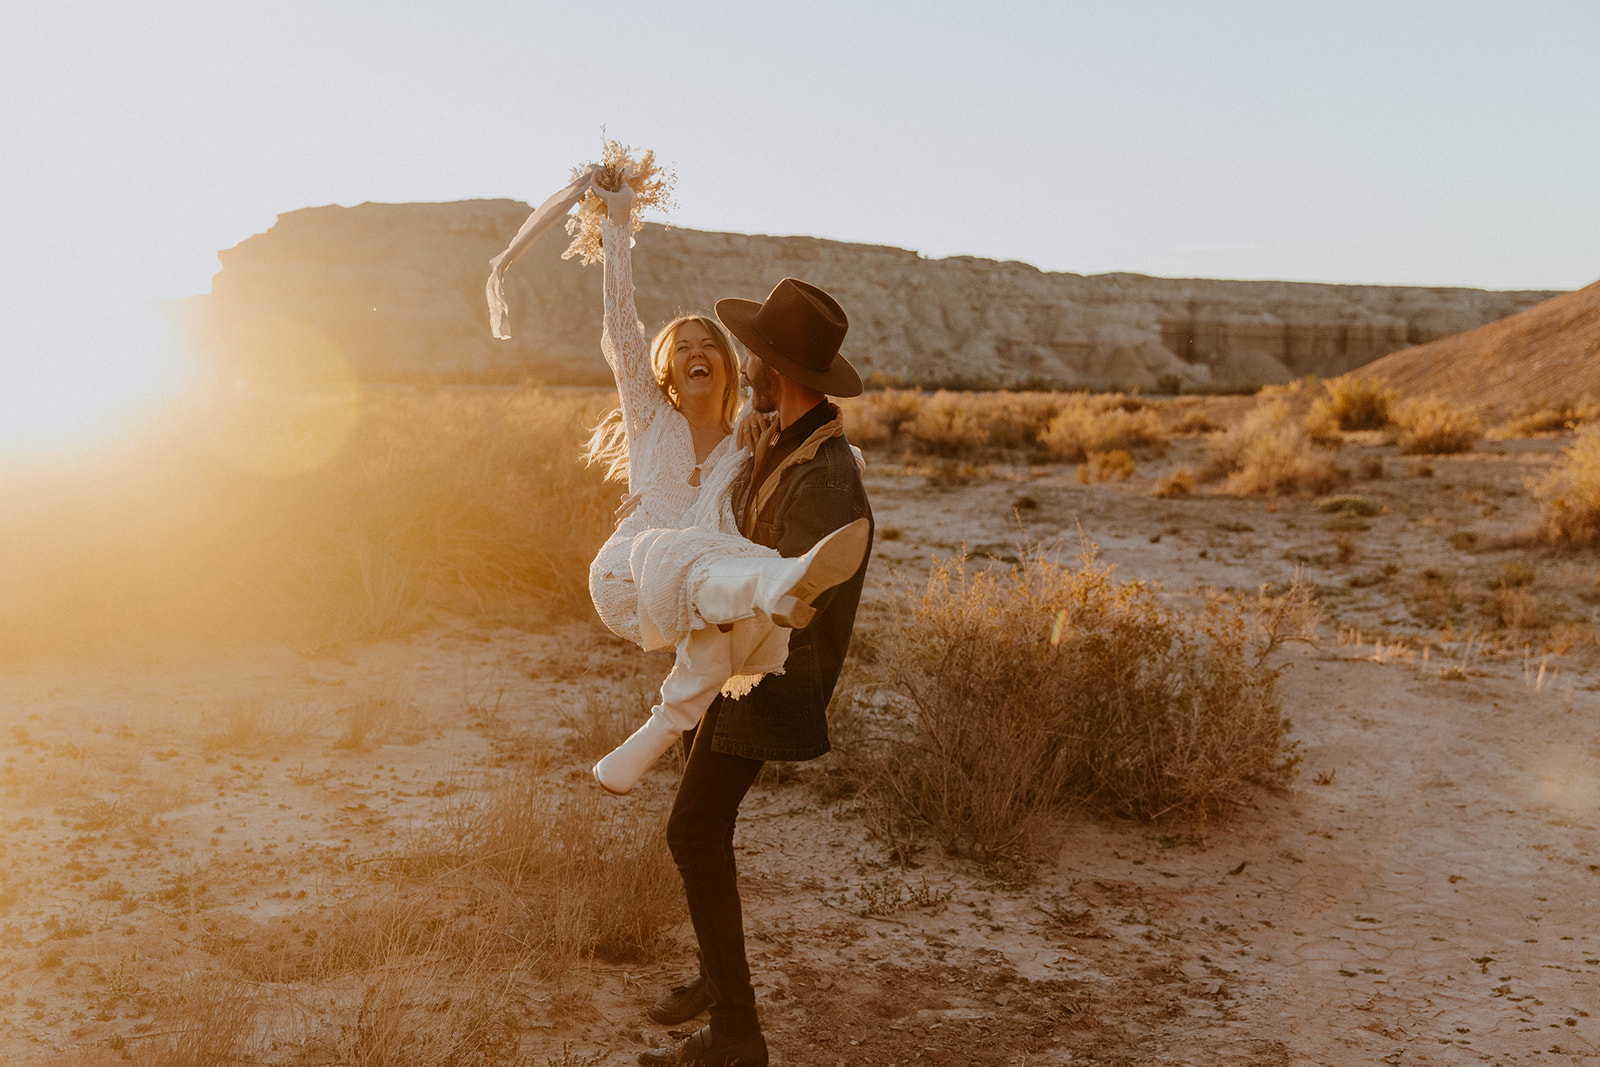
(652, 188)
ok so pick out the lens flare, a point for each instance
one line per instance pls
(282, 399)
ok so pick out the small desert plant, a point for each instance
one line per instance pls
(1046, 685)
(1180, 482)
(1571, 516)
(1270, 452)
(1116, 465)
(1514, 609)
(1348, 504)
(1434, 426)
(1356, 403)
(1436, 598)
(1088, 424)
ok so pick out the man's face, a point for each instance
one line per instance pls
(762, 381)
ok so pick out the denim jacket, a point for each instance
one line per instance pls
(785, 716)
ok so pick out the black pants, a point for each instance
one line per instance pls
(700, 834)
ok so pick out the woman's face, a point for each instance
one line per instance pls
(699, 371)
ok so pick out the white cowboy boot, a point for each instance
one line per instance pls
(703, 663)
(781, 588)
(624, 765)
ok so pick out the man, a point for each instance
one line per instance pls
(803, 484)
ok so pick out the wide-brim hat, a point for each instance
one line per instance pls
(797, 330)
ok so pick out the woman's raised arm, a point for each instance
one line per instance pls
(622, 339)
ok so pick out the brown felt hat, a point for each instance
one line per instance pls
(797, 330)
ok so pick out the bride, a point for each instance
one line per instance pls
(676, 572)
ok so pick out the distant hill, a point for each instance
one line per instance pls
(398, 290)
(1546, 356)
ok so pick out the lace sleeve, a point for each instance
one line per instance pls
(623, 341)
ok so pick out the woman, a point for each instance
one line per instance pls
(676, 572)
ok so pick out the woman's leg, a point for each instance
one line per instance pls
(703, 664)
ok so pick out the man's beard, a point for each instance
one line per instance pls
(763, 389)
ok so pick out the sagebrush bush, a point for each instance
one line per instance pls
(1356, 403)
(1571, 517)
(1114, 466)
(1100, 423)
(1045, 685)
(1270, 452)
(1433, 426)
(283, 514)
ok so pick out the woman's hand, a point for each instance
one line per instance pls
(752, 424)
(619, 203)
(625, 508)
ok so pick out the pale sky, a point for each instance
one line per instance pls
(1424, 143)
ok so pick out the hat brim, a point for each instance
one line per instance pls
(739, 316)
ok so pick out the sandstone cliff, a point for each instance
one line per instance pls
(398, 288)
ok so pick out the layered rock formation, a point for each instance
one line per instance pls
(398, 290)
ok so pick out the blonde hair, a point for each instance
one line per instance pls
(608, 443)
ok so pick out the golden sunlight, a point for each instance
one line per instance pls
(74, 381)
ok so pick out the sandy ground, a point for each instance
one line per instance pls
(1425, 893)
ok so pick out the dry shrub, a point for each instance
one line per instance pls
(880, 417)
(1100, 423)
(1565, 637)
(1271, 452)
(948, 424)
(1180, 482)
(1571, 516)
(1436, 598)
(1432, 426)
(1045, 685)
(244, 516)
(1355, 403)
(1114, 466)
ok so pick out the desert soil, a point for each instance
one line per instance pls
(1425, 892)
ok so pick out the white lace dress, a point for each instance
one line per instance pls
(643, 578)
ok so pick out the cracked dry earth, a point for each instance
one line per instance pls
(1425, 893)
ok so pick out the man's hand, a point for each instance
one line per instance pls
(625, 508)
(752, 424)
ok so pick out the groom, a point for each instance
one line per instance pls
(802, 485)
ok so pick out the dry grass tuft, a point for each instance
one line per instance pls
(434, 499)
(1433, 426)
(1046, 685)
(1271, 452)
(1571, 517)
(1538, 422)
